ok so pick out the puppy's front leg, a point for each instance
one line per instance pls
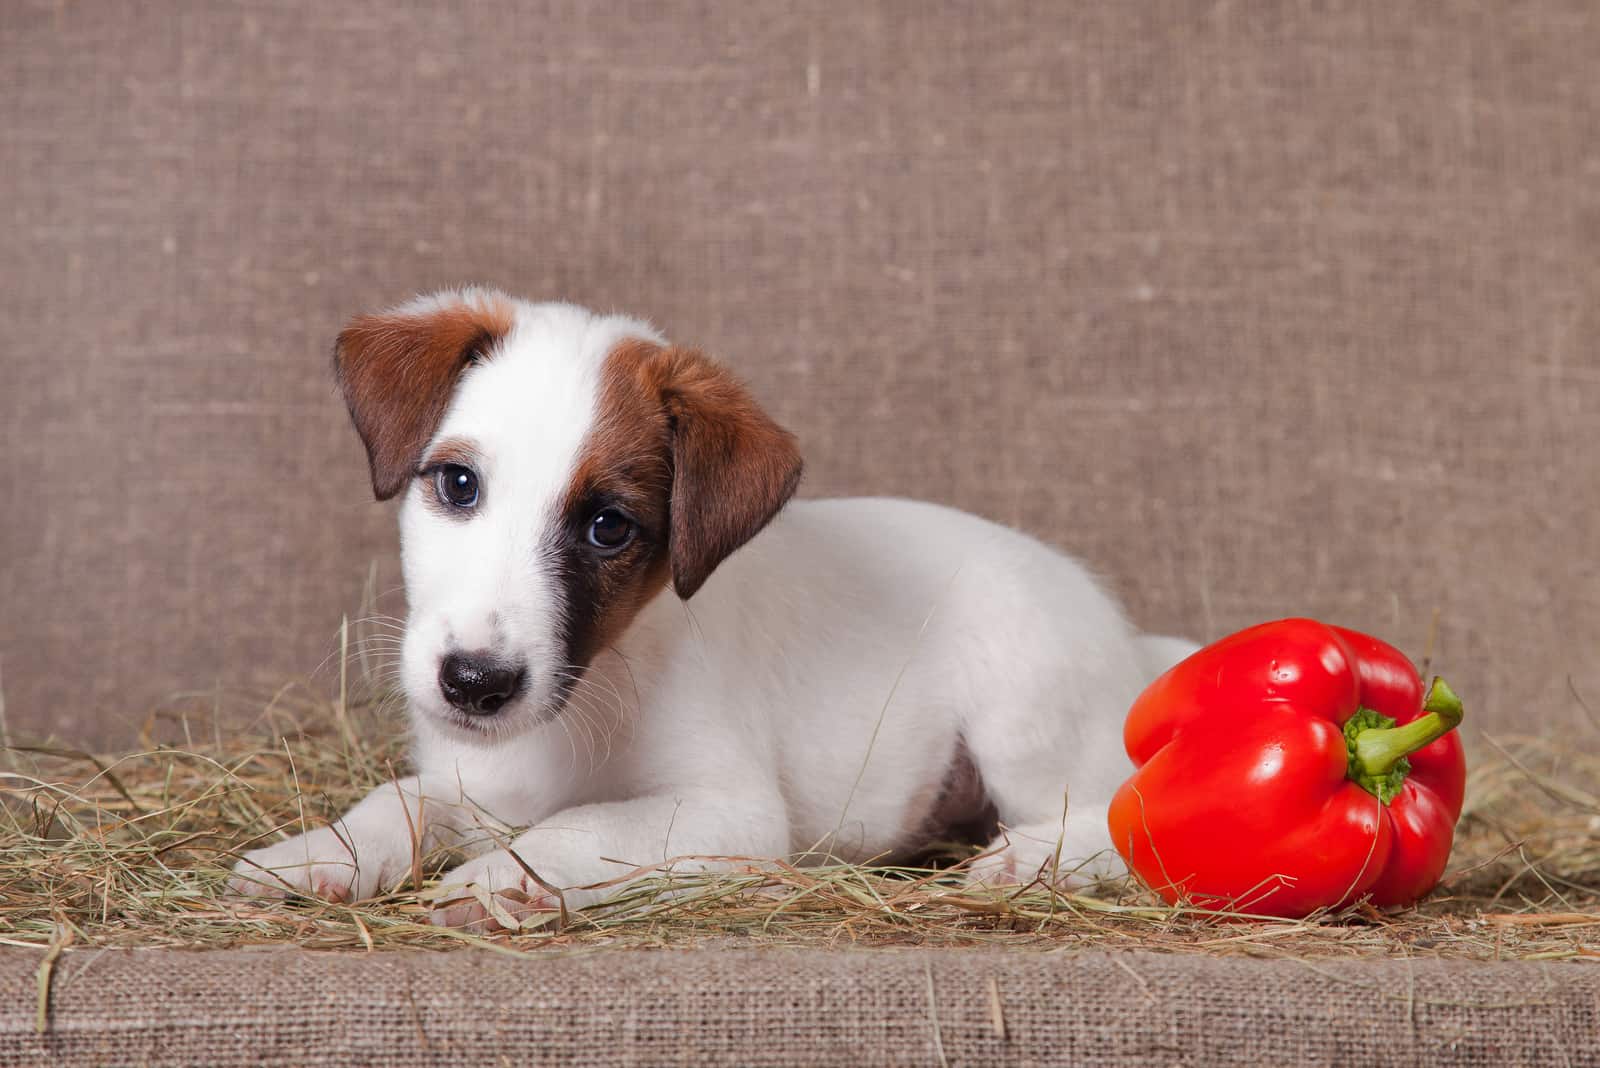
(590, 844)
(370, 847)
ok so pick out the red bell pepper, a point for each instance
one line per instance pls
(1290, 767)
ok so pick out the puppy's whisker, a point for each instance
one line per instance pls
(572, 744)
(370, 627)
(599, 724)
(376, 643)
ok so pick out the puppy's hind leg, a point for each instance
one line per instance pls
(1050, 755)
(1071, 852)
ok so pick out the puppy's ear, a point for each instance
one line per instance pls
(733, 468)
(397, 370)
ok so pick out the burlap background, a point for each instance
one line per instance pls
(1261, 308)
(775, 1007)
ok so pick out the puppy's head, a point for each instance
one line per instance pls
(558, 469)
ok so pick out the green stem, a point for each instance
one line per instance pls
(1378, 750)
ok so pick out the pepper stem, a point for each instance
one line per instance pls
(1377, 750)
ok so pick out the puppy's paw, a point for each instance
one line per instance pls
(996, 868)
(1011, 867)
(322, 863)
(492, 893)
(1070, 858)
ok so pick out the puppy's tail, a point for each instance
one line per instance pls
(1157, 653)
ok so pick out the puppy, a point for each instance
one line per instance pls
(838, 678)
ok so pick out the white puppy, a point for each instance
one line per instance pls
(862, 677)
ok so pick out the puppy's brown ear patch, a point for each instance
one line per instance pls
(397, 370)
(733, 468)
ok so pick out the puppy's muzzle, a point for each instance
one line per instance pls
(478, 684)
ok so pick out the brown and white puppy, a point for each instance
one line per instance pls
(860, 676)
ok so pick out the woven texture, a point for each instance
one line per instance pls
(775, 1007)
(1261, 308)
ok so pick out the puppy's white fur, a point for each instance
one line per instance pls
(810, 697)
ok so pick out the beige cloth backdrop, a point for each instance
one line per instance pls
(793, 1009)
(1260, 308)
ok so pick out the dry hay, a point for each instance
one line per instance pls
(133, 850)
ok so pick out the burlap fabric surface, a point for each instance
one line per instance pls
(1261, 308)
(795, 1008)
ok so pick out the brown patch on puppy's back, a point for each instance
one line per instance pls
(963, 810)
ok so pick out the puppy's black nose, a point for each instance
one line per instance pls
(478, 684)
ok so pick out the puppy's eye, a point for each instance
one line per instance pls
(457, 486)
(610, 529)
